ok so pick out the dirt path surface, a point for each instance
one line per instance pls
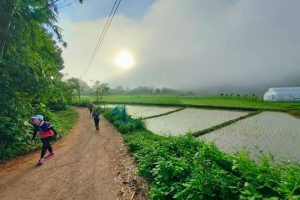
(88, 164)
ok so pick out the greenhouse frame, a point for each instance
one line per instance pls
(283, 94)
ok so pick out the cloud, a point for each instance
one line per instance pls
(194, 44)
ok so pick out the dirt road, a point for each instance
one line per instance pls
(88, 164)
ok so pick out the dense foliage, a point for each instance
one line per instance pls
(186, 168)
(30, 65)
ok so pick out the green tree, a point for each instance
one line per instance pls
(75, 86)
(30, 65)
(100, 90)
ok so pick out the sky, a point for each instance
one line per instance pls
(205, 45)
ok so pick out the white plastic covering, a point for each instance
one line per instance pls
(283, 94)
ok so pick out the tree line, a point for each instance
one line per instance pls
(80, 88)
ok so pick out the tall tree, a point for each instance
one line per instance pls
(74, 84)
(100, 90)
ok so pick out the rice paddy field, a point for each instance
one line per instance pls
(274, 133)
(147, 111)
(190, 120)
(268, 132)
(137, 111)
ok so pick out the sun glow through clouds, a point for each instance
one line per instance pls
(124, 60)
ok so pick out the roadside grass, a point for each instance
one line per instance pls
(67, 119)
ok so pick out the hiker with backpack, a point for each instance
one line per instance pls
(46, 133)
(96, 117)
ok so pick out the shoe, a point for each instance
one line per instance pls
(50, 155)
(41, 161)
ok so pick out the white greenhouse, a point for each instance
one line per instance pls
(283, 94)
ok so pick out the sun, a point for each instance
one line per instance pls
(124, 60)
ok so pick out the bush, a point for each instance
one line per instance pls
(124, 126)
(81, 104)
(58, 106)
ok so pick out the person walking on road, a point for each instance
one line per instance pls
(96, 117)
(46, 133)
(91, 107)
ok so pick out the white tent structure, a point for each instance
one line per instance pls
(283, 94)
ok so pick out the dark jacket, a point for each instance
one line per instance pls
(96, 116)
(44, 130)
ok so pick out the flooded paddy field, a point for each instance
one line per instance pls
(268, 132)
(190, 120)
(141, 111)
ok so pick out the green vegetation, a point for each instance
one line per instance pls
(137, 99)
(67, 119)
(201, 101)
(240, 102)
(185, 168)
(63, 121)
(83, 103)
(30, 64)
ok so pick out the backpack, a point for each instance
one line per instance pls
(96, 116)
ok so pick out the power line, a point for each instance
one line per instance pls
(103, 33)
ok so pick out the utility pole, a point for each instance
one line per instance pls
(97, 90)
(78, 89)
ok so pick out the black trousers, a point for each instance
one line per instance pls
(46, 145)
(97, 123)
